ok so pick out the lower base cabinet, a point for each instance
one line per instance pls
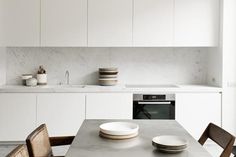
(63, 113)
(21, 113)
(17, 116)
(109, 106)
(194, 111)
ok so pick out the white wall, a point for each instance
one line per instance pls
(136, 65)
(2, 66)
(229, 65)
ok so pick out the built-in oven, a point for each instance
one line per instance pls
(154, 106)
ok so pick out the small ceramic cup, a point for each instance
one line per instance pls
(31, 82)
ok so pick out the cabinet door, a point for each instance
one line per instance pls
(109, 106)
(196, 22)
(153, 22)
(17, 116)
(64, 23)
(109, 23)
(194, 111)
(63, 113)
(19, 22)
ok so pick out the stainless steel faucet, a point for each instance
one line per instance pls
(67, 76)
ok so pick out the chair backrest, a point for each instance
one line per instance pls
(19, 151)
(38, 143)
(224, 139)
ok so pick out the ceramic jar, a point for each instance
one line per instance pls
(25, 77)
(42, 79)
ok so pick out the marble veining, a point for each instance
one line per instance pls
(136, 65)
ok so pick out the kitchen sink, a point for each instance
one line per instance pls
(70, 86)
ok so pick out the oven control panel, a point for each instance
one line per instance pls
(154, 97)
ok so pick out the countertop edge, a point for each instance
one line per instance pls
(101, 89)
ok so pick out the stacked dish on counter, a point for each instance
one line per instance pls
(119, 130)
(170, 143)
(108, 76)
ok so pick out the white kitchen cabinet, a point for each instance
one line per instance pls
(109, 106)
(196, 23)
(110, 23)
(17, 116)
(63, 113)
(153, 22)
(194, 111)
(64, 23)
(19, 23)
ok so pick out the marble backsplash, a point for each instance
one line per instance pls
(136, 65)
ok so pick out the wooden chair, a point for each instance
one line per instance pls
(234, 151)
(19, 151)
(40, 144)
(219, 136)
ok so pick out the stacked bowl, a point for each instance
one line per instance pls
(108, 76)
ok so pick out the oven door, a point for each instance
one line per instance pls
(154, 110)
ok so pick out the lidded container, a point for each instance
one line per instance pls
(25, 77)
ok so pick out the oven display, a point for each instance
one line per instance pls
(154, 97)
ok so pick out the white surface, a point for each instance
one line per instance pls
(63, 113)
(109, 106)
(119, 128)
(109, 23)
(17, 116)
(229, 65)
(153, 23)
(201, 108)
(215, 61)
(106, 89)
(64, 23)
(3, 59)
(170, 141)
(136, 65)
(20, 22)
(196, 23)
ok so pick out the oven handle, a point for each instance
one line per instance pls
(154, 103)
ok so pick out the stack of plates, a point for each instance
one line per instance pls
(108, 76)
(169, 143)
(119, 130)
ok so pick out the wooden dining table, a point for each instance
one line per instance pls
(88, 143)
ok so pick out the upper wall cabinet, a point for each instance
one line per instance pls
(110, 23)
(153, 22)
(19, 22)
(64, 23)
(196, 23)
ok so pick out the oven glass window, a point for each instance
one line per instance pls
(149, 111)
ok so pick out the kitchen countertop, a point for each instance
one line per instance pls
(105, 89)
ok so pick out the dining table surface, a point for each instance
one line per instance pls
(88, 143)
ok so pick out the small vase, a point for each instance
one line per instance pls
(42, 79)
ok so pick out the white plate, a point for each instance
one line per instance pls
(170, 141)
(119, 128)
